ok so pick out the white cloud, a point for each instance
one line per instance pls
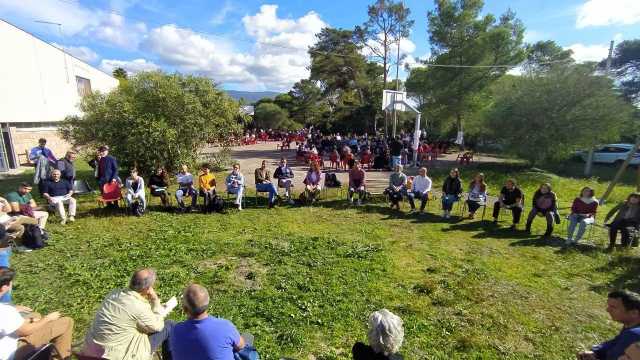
(132, 66)
(114, 29)
(221, 16)
(608, 12)
(72, 15)
(532, 36)
(618, 38)
(81, 52)
(582, 53)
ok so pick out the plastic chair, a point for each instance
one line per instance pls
(110, 193)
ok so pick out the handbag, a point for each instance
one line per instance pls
(27, 210)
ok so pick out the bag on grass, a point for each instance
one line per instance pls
(216, 204)
(331, 180)
(34, 237)
(137, 209)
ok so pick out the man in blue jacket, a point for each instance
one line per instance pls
(107, 167)
(624, 307)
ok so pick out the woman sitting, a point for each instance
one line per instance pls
(451, 190)
(627, 216)
(386, 334)
(477, 194)
(544, 203)
(158, 183)
(185, 188)
(583, 213)
(312, 182)
(135, 192)
(206, 186)
(357, 180)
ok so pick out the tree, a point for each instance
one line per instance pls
(155, 119)
(545, 55)
(626, 68)
(309, 107)
(120, 73)
(272, 116)
(388, 22)
(460, 35)
(546, 117)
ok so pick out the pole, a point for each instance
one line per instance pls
(588, 167)
(620, 171)
(395, 114)
(416, 140)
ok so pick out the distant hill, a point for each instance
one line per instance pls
(251, 96)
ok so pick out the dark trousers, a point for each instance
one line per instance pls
(516, 211)
(623, 226)
(423, 199)
(395, 196)
(548, 214)
(473, 206)
(208, 197)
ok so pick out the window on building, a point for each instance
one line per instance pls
(84, 86)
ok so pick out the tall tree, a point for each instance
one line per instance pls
(626, 67)
(120, 73)
(309, 107)
(388, 22)
(461, 36)
(545, 55)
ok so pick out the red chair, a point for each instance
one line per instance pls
(365, 159)
(110, 193)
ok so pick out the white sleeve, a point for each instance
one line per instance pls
(429, 183)
(11, 320)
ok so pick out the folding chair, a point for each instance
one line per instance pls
(234, 195)
(262, 194)
(110, 193)
(465, 206)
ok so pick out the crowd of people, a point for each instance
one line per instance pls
(131, 323)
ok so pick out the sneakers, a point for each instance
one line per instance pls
(23, 249)
(63, 221)
(72, 218)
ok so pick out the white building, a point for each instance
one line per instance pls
(40, 85)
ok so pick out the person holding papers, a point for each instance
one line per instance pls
(58, 192)
(158, 183)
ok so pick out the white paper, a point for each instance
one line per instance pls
(169, 306)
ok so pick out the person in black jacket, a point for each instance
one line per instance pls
(511, 198)
(284, 174)
(451, 190)
(543, 203)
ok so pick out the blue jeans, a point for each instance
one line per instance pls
(5, 255)
(581, 222)
(270, 188)
(448, 200)
(395, 160)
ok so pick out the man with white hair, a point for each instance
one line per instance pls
(397, 187)
(130, 323)
(58, 192)
(386, 335)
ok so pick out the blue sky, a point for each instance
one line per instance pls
(261, 45)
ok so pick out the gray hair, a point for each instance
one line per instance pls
(142, 279)
(195, 300)
(56, 171)
(385, 332)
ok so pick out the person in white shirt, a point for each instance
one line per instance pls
(135, 189)
(420, 189)
(235, 184)
(33, 329)
(185, 188)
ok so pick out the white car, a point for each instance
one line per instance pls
(612, 154)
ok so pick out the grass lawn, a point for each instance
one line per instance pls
(304, 280)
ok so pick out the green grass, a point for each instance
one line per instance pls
(303, 280)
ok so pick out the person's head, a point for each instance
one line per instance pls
(386, 332)
(24, 188)
(624, 307)
(263, 164)
(510, 184)
(103, 150)
(134, 173)
(205, 168)
(160, 171)
(355, 164)
(634, 199)
(454, 173)
(398, 168)
(42, 142)
(55, 175)
(6, 279)
(283, 161)
(184, 168)
(587, 192)
(545, 188)
(71, 155)
(142, 280)
(236, 168)
(422, 171)
(195, 300)
(632, 352)
(315, 167)
(479, 178)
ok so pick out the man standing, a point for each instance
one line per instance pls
(284, 174)
(107, 167)
(33, 329)
(22, 202)
(395, 147)
(130, 323)
(624, 307)
(59, 192)
(67, 168)
(203, 337)
(43, 160)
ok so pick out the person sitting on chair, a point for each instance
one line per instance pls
(420, 188)
(203, 337)
(624, 307)
(511, 199)
(130, 323)
(386, 334)
(185, 188)
(22, 203)
(397, 187)
(451, 190)
(58, 192)
(583, 213)
(312, 183)
(627, 215)
(235, 184)
(158, 183)
(20, 322)
(477, 194)
(135, 191)
(544, 203)
(207, 186)
(264, 184)
(284, 174)
(357, 181)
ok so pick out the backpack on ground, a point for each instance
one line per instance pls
(136, 209)
(216, 204)
(331, 180)
(34, 237)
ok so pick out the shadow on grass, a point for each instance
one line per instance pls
(627, 267)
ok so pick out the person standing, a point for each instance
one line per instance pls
(107, 167)
(67, 167)
(43, 160)
(395, 148)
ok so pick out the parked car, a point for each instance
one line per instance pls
(612, 154)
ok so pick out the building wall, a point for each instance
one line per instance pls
(25, 139)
